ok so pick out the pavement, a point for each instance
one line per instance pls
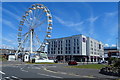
(21, 71)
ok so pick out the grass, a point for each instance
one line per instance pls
(89, 66)
(41, 63)
(2, 59)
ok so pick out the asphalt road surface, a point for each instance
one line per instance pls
(22, 71)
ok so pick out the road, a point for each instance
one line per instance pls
(22, 71)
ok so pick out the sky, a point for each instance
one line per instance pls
(98, 20)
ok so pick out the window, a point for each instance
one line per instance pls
(69, 41)
(58, 48)
(69, 52)
(91, 45)
(58, 52)
(66, 41)
(48, 52)
(66, 48)
(69, 48)
(94, 52)
(95, 49)
(69, 44)
(99, 46)
(91, 48)
(51, 52)
(74, 48)
(66, 52)
(78, 51)
(74, 51)
(74, 44)
(84, 40)
(91, 42)
(61, 52)
(66, 44)
(91, 52)
(74, 40)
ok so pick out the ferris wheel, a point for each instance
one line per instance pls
(34, 29)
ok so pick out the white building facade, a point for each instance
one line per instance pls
(77, 47)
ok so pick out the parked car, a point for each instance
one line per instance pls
(56, 61)
(102, 62)
(72, 62)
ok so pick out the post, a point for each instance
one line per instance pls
(31, 39)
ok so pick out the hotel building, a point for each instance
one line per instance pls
(77, 47)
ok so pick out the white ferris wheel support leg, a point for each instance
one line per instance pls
(31, 41)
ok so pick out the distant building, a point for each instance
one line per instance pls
(7, 51)
(79, 47)
(111, 52)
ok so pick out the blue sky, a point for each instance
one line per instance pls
(98, 20)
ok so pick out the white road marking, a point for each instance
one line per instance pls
(49, 70)
(14, 77)
(24, 70)
(37, 68)
(7, 78)
(2, 72)
(50, 75)
(51, 66)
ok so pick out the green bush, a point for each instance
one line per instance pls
(117, 63)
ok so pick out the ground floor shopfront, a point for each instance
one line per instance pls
(78, 58)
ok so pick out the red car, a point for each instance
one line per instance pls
(72, 63)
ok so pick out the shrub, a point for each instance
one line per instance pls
(117, 63)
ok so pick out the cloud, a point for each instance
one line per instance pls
(4, 46)
(9, 41)
(111, 19)
(77, 26)
(114, 13)
(92, 19)
(82, 26)
(113, 45)
(9, 24)
(10, 13)
(68, 23)
(106, 45)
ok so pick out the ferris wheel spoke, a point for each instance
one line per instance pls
(40, 16)
(37, 38)
(26, 33)
(40, 23)
(28, 22)
(23, 41)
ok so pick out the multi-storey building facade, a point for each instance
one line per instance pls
(95, 50)
(77, 47)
